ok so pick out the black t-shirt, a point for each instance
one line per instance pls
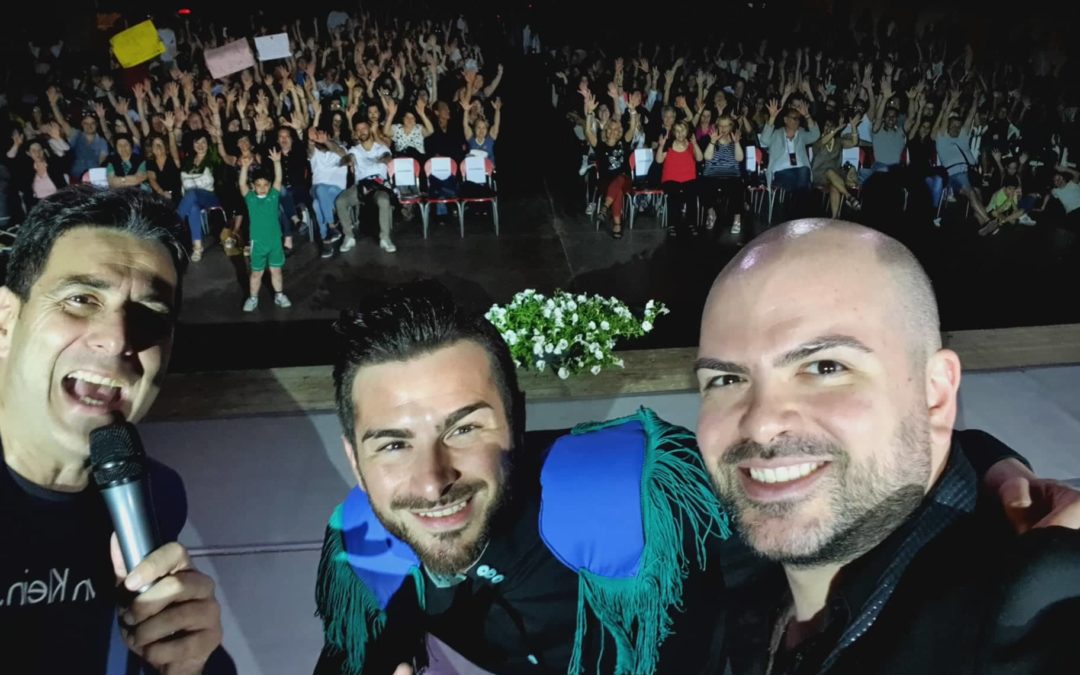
(612, 160)
(449, 143)
(58, 602)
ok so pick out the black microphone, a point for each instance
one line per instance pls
(119, 467)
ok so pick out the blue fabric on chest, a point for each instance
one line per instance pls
(590, 508)
(380, 560)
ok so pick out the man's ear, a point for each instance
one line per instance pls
(942, 385)
(10, 304)
(350, 453)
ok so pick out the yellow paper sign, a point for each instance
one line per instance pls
(137, 44)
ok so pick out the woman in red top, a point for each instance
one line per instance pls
(679, 178)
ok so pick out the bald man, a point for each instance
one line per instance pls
(826, 421)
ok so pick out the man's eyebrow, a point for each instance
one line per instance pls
(818, 344)
(386, 433)
(160, 290)
(450, 420)
(461, 413)
(722, 366)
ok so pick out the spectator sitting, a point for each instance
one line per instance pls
(329, 176)
(87, 145)
(197, 178)
(124, 168)
(1067, 191)
(678, 178)
(1004, 207)
(479, 139)
(721, 180)
(35, 172)
(825, 171)
(408, 137)
(163, 164)
(295, 182)
(612, 160)
(789, 163)
(953, 140)
(369, 159)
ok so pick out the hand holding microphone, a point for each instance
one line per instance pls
(174, 622)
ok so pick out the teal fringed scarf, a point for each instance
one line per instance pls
(676, 493)
(351, 614)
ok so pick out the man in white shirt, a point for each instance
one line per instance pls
(369, 159)
(1067, 191)
(952, 140)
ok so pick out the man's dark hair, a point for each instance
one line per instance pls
(143, 215)
(412, 320)
(1010, 182)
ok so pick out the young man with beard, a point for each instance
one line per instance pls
(460, 535)
(826, 420)
(369, 159)
(519, 560)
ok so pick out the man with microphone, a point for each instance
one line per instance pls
(87, 312)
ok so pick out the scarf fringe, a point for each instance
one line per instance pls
(350, 611)
(676, 494)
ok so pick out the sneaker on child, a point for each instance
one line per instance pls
(250, 304)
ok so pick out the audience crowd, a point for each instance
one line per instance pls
(825, 116)
(358, 92)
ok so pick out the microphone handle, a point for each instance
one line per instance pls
(132, 517)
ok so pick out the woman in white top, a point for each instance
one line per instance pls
(328, 178)
(408, 137)
(197, 178)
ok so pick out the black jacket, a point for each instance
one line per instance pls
(952, 592)
(526, 623)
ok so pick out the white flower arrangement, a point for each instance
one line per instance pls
(568, 333)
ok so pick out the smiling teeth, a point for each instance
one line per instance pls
(443, 513)
(94, 378)
(86, 400)
(784, 474)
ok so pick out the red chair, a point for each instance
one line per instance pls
(450, 201)
(489, 196)
(638, 190)
(404, 175)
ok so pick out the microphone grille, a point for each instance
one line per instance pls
(116, 454)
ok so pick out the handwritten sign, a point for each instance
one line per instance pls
(137, 44)
(232, 58)
(272, 47)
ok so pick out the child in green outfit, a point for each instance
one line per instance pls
(266, 249)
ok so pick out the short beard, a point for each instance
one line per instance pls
(452, 559)
(866, 505)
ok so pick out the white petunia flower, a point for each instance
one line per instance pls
(619, 363)
(574, 318)
(510, 337)
(538, 349)
(549, 348)
(646, 326)
(563, 345)
(592, 325)
(604, 325)
(541, 364)
(563, 373)
(595, 370)
(547, 313)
